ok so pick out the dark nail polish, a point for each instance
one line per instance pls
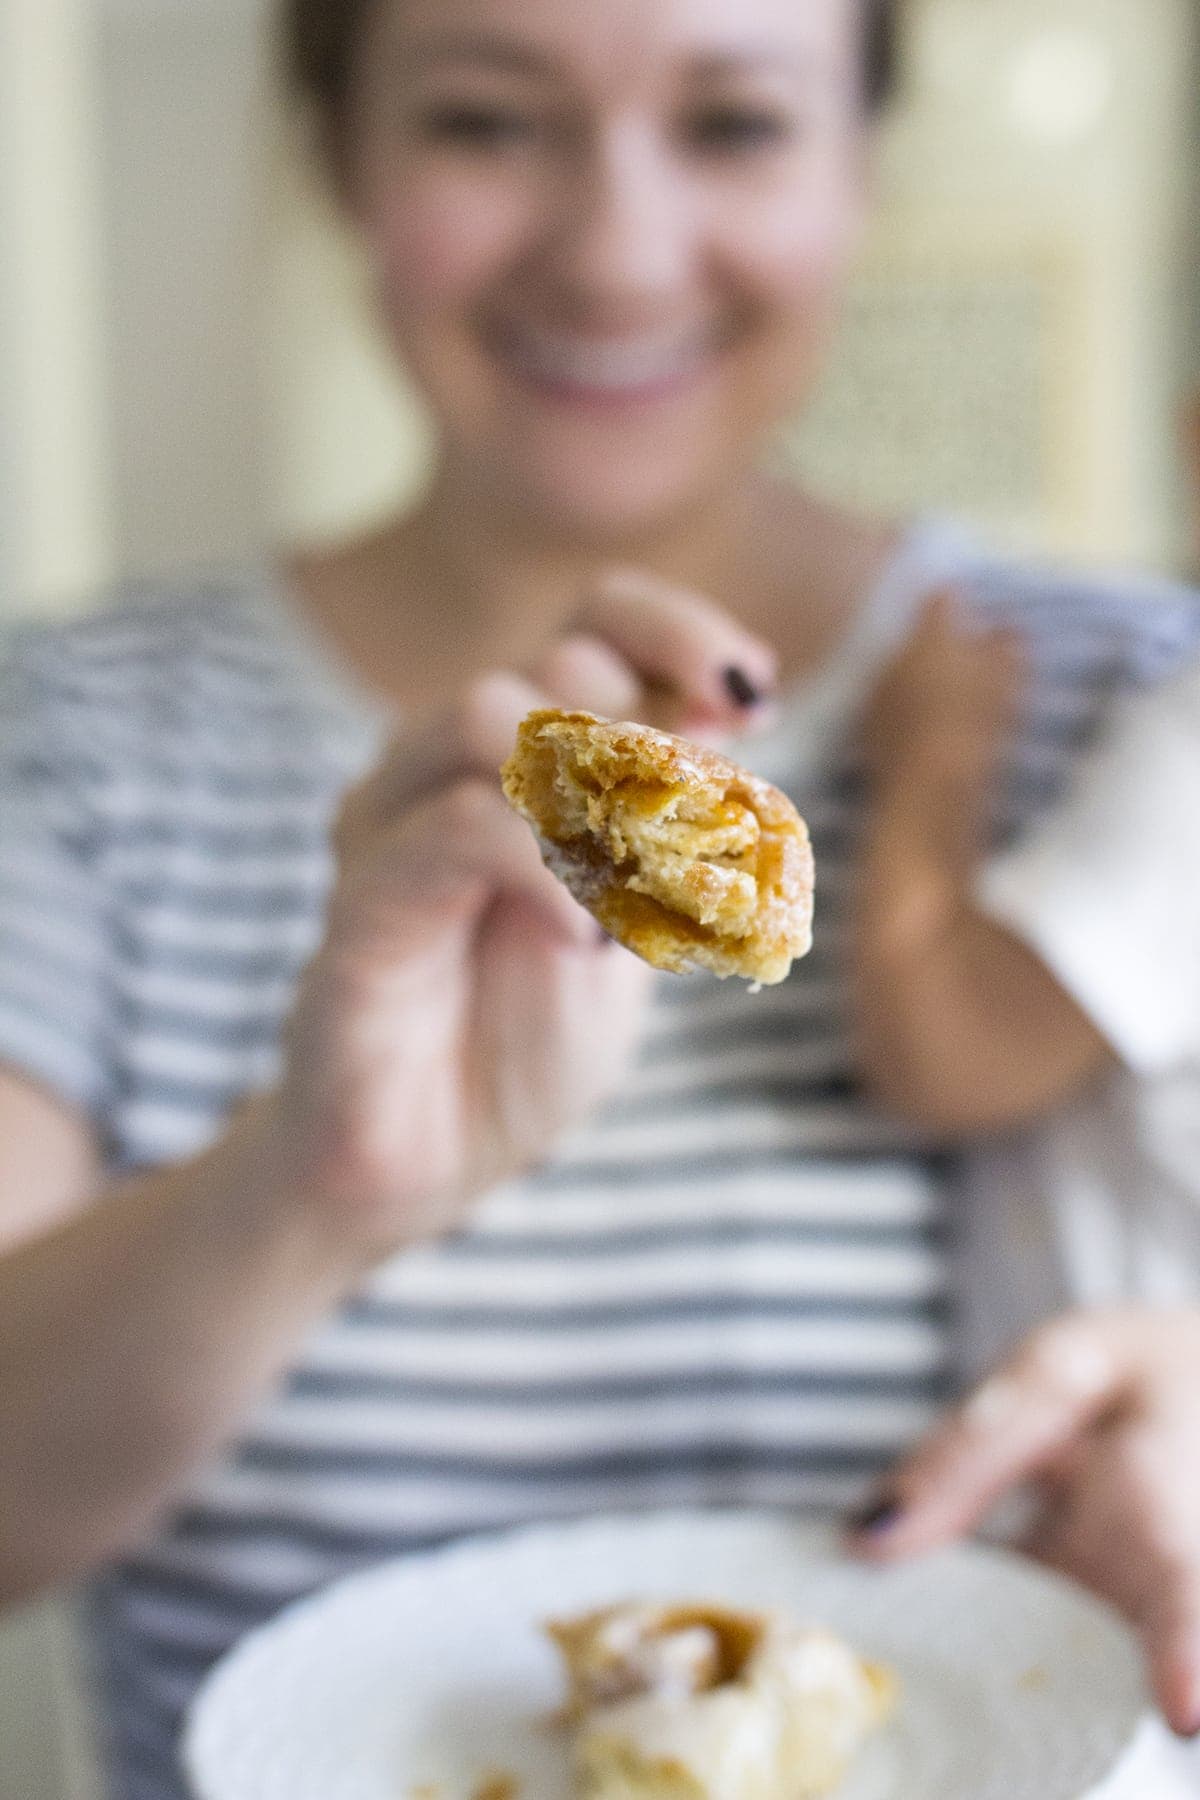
(875, 1519)
(740, 688)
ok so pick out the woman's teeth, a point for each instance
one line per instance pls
(612, 367)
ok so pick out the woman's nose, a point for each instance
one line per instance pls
(627, 231)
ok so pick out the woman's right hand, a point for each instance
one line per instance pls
(463, 1010)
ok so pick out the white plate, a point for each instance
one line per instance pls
(1016, 1686)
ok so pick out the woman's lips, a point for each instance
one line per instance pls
(608, 371)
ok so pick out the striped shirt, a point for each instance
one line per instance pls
(732, 1286)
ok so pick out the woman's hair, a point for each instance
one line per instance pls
(881, 54)
(320, 37)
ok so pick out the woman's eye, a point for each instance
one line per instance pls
(478, 127)
(737, 128)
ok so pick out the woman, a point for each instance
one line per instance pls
(320, 1103)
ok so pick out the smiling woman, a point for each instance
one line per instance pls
(708, 204)
(607, 248)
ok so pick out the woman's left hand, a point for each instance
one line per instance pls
(1099, 1413)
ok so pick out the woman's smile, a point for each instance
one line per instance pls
(605, 371)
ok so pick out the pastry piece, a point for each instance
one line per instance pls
(682, 856)
(699, 1703)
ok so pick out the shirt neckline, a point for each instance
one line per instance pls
(928, 549)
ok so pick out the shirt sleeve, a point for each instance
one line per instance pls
(55, 925)
(1106, 889)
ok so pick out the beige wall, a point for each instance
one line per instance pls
(54, 523)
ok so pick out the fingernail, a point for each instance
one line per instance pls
(876, 1519)
(740, 688)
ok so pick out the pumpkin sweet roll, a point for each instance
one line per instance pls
(686, 858)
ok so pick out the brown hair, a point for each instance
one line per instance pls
(320, 37)
(881, 53)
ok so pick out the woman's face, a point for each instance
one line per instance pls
(609, 235)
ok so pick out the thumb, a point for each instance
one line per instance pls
(939, 617)
(1017, 1424)
(1170, 1631)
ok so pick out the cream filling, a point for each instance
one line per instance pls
(688, 866)
(788, 1724)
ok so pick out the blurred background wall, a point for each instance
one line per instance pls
(185, 363)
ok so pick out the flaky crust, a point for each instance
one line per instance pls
(684, 857)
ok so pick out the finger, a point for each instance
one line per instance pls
(1170, 1632)
(1015, 1425)
(469, 739)
(990, 680)
(442, 866)
(718, 671)
(936, 649)
(1160, 1595)
(585, 672)
(1006, 658)
(1010, 646)
(1085, 1531)
(945, 623)
(941, 621)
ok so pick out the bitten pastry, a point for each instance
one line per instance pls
(682, 856)
(699, 1703)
